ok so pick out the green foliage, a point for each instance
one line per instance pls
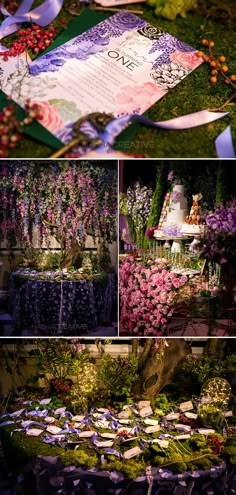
(60, 358)
(169, 9)
(157, 199)
(198, 370)
(119, 374)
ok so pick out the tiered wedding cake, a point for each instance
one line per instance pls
(174, 215)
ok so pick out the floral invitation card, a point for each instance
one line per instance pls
(122, 65)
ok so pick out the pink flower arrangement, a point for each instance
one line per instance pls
(147, 297)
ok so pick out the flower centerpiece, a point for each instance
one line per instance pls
(139, 203)
(218, 245)
(147, 297)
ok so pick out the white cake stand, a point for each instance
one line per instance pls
(177, 245)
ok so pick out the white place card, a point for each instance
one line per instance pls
(132, 452)
(152, 429)
(16, 413)
(143, 403)
(124, 421)
(45, 401)
(86, 434)
(228, 414)
(124, 414)
(53, 429)
(182, 437)
(205, 431)
(151, 422)
(60, 410)
(172, 416)
(108, 435)
(104, 444)
(49, 419)
(183, 427)
(77, 417)
(146, 411)
(186, 406)
(34, 432)
(190, 415)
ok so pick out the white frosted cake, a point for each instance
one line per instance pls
(178, 206)
(173, 214)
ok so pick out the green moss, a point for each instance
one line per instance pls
(131, 469)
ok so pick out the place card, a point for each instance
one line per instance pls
(186, 406)
(124, 414)
(143, 403)
(182, 437)
(152, 429)
(108, 435)
(190, 415)
(132, 452)
(60, 410)
(183, 427)
(205, 431)
(124, 421)
(228, 414)
(16, 413)
(45, 401)
(34, 432)
(103, 423)
(104, 444)
(128, 430)
(151, 422)
(121, 65)
(53, 429)
(146, 411)
(49, 419)
(172, 416)
(163, 443)
(77, 418)
(86, 434)
(102, 410)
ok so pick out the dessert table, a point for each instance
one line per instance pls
(60, 306)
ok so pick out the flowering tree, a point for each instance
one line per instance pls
(65, 201)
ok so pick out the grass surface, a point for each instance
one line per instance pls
(194, 93)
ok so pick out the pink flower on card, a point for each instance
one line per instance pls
(51, 118)
(189, 60)
(143, 96)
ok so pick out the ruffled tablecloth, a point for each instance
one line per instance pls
(52, 478)
(68, 307)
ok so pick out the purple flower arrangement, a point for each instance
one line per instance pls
(139, 203)
(219, 244)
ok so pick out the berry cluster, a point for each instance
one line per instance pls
(124, 434)
(34, 39)
(12, 6)
(216, 444)
(61, 386)
(188, 421)
(11, 128)
(217, 64)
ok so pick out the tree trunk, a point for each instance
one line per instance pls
(72, 256)
(156, 374)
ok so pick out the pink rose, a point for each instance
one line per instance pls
(51, 118)
(176, 283)
(189, 60)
